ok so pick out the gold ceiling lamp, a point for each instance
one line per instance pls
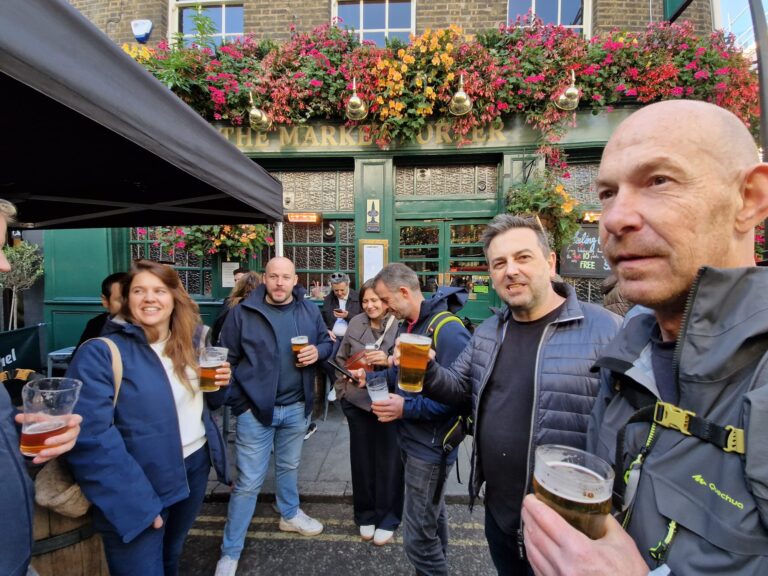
(569, 99)
(356, 108)
(460, 103)
(258, 119)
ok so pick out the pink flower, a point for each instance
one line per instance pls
(677, 91)
(721, 86)
(632, 73)
(180, 232)
(691, 65)
(502, 105)
(722, 71)
(597, 97)
(315, 83)
(620, 88)
(701, 75)
(180, 244)
(141, 231)
(535, 78)
(269, 240)
(630, 92)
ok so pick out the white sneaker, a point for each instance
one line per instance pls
(382, 537)
(332, 395)
(226, 566)
(302, 524)
(367, 531)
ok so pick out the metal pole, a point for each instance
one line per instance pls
(279, 239)
(761, 48)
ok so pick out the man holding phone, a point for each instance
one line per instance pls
(339, 307)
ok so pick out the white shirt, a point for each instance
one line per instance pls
(189, 405)
(340, 326)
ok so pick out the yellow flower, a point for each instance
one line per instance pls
(422, 48)
(217, 242)
(252, 236)
(449, 77)
(380, 100)
(227, 228)
(560, 189)
(440, 33)
(429, 92)
(568, 207)
(449, 47)
(419, 82)
(435, 60)
(401, 53)
(403, 68)
(384, 113)
(408, 59)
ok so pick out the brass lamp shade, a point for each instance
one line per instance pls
(258, 119)
(569, 99)
(356, 108)
(460, 103)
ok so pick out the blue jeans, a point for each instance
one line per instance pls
(425, 525)
(156, 552)
(253, 445)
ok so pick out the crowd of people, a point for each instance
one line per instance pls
(681, 188)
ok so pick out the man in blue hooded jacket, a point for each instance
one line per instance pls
(423, 422)
(271, 395)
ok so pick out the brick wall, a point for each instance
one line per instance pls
(471, 15)
(114, 17)
(273, 18)
(635, 15)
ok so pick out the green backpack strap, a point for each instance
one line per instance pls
(438, 321)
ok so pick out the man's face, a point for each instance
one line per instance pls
(115, 301)
(397, 301)
(667, 209)
(279, 280)
(520, 272)
(341, 290)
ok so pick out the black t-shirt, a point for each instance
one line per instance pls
(505, 422)
(662, 360)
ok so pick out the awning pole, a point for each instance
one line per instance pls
(278, 239)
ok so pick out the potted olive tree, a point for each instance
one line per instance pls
(26, 267)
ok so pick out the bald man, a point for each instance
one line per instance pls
(271, 395)
(683, 404)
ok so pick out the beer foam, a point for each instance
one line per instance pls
(573, 482)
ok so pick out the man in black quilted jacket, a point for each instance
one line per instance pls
(527, 372)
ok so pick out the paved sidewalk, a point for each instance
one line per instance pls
(324, 474)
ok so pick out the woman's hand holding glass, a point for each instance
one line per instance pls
(376, 358)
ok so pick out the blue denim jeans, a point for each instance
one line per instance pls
(253, 445)
(156, 552)
(425, 525)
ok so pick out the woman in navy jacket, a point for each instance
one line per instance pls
(144, 461)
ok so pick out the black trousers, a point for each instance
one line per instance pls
(504, 551)
(377, 469)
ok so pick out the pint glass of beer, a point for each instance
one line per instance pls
(576, 484)
(48, 403)
(414, 355)
(211, 358)
(297, 343)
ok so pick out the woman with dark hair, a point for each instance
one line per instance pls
(143, 458)
(377, 470)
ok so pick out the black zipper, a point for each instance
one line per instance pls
(684, 326)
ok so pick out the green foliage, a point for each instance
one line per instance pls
(26, 266)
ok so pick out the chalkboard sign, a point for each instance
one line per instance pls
(583, 256)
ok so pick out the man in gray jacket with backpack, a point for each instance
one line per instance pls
(527, 373)
(683, 407)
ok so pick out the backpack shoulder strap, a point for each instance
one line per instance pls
(117, 365)
(438, 321)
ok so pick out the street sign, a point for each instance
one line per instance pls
(674, 8)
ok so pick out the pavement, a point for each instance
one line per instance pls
(324, 473)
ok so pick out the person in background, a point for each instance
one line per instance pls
(143, 460)
(246, 283)
(112, 300)
(272, 398)
(374, 452)
(683, 407)
(341, 305)
(613, 300)
(17, 497)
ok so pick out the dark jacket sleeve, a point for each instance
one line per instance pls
(329, 303)
(107, 473)
(230, 337)
(451, 385)
(324, 342)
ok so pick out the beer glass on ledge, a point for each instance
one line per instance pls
(576, 484)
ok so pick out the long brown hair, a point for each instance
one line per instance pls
(184, 318)
(247, 283)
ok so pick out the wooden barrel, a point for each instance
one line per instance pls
(66, 546)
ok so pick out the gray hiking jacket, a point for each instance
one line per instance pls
(718, 499)
(564, 387)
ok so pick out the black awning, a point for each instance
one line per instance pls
(91, 139)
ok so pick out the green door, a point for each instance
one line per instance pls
(448, 253)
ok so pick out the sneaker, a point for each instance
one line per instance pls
(332, 395)
(382, 537)
(302, 524)
(311, 429)
(226, 566)
(367, 531)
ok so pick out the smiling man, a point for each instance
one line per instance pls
(683, 404)
(526, 371)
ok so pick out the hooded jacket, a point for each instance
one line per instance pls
(252, 342)
(564, 387)
(718, 499)
(128, 458)
(17, 496)
(426, 421)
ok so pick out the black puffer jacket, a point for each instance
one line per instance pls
(565, 388)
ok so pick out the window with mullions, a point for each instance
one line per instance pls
(319, 250)
(377, 20)
(196, 272)
(568, 13)
(226, 17)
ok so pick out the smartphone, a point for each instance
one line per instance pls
(339, 310)
(344, 371)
